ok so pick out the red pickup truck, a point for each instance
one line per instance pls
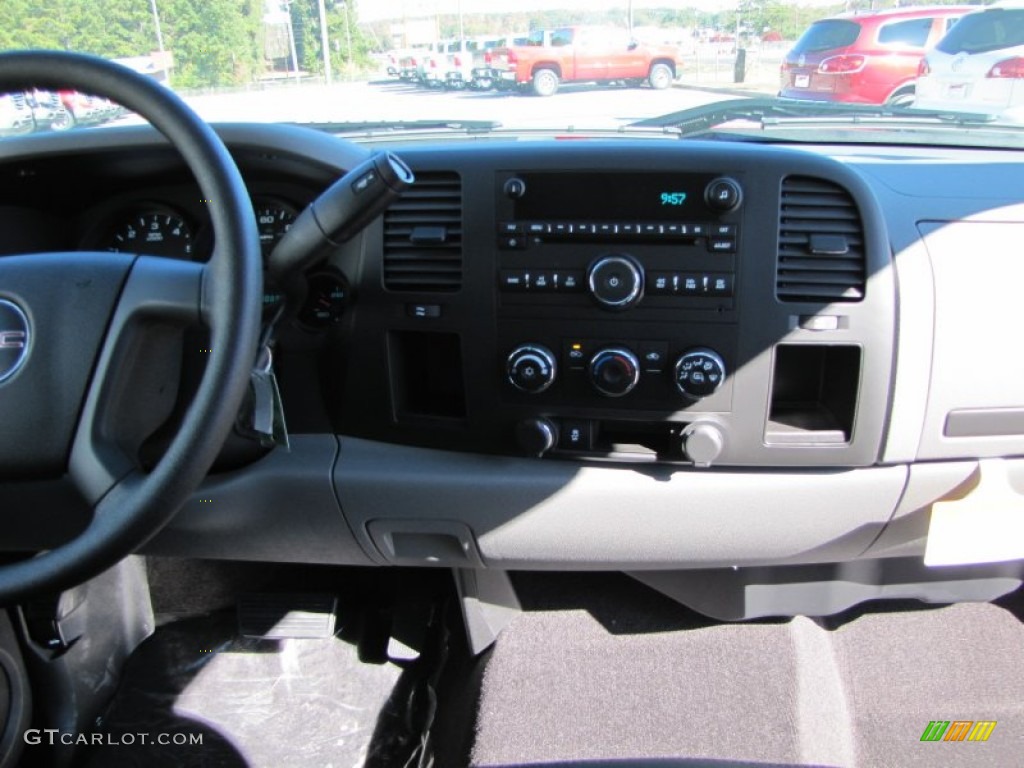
(576, 54)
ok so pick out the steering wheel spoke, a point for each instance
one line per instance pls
(157, 293)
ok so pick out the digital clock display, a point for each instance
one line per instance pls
(613, 196)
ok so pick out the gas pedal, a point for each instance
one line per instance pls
(276, 616)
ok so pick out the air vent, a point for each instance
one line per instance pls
(423, 235)
(821, 243)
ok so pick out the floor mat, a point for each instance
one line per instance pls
(293, 702)
(598, 666)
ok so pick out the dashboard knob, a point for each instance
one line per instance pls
(699, 373)
(723, 194)
(702, 443)
(614, 371)
(531, 368)
(536, 436)
(616, 281)
(515, 188)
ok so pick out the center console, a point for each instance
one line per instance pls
(707, 307)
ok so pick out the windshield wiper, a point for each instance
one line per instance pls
(768, 112)
(384, 127)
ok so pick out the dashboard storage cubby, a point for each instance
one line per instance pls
(813, 394)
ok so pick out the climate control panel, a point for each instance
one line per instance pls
(614, 370)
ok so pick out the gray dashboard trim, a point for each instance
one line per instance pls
(280, 509)
(549, 514)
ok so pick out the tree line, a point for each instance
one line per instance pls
(214, 43)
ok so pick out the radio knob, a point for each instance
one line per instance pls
(531, 368)
(616, 282)
(723, 194)
(614, 371)
(515, 188)
(699, 373)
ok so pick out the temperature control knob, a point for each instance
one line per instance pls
(616, 281)
(614, 371)
(531, 368)
(699, 372)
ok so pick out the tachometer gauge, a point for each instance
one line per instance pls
(328, 296)
(273, 218)
(153, 232)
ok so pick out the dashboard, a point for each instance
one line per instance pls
(649, 356)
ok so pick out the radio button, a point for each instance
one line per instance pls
(720, 285)
(510, 228)
(723, 230)
(513, 280)
(698, 230)
(538, 228)
(571, 282)
(722, 245)
(659, 283)
(512, 242)
(690, 285)
(542, 281)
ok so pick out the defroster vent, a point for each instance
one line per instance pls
(423, 235)
(821, 243)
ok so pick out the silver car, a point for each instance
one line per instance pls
(978, 66)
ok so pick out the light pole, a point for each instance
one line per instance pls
(348, 40)
(291, 39)
(160, 41)
(323, 41)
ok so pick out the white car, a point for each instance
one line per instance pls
(978, 66)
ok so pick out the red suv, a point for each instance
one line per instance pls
(865, 58)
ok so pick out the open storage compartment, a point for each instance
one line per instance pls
(814, 394)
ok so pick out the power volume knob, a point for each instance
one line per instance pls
(616, 282)
(699, 373)
(531, 368)
(614, 371)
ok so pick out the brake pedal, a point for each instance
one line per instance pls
(275, 616)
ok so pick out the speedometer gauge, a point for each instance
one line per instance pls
(153, 232)
(273, 218)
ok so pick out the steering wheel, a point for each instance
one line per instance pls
(68, 323)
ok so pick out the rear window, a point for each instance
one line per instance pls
(912, 32)
(985, 31)
(827, 35)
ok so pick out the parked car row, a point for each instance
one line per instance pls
(958, 58)
(39, 110)
(540, 61)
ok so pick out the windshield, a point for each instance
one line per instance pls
(514, 69)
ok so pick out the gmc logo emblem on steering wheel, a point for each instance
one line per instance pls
(14, 339)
